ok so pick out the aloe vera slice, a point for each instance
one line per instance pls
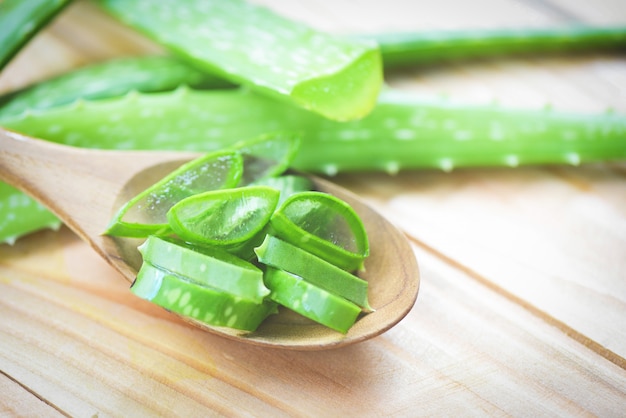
(268, 155)
(146, 213)
(223, 217)
(177, 294)
(250, 45)
(284, 256)
(311, 301)
(110, 78)
(403, 49)
(210, 267)
(287, 185)
(325, 226)
(20, 20)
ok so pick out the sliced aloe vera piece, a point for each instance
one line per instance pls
(248, 44)
(284, 256)
(210, 267)
(20, 20)
(146, 213)
(287, 185)
(311, 301)
(177, 294)
(109, 78)
(325, 226)
(223, 217)
(267, 155)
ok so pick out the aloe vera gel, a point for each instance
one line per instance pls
(211, 251)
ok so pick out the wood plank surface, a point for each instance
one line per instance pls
(522, 300)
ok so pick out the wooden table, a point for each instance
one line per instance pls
(522, 304)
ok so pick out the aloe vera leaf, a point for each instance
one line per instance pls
(402, 49)
(403, 132)
(250, 45)
(20, 20)
(110, 78)
(20, 215)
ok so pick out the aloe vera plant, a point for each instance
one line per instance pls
(402, 49)
(337, 77)
(20, 20)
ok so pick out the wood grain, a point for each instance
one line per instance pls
(522, 295)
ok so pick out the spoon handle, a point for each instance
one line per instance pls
(80, 186)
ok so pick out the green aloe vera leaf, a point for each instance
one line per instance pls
(325, 226)
(177, 294)
(146, 213)
(284, 256)
(206, 266)
(287, 185)
(223, 217)
(402, 49)
(20, 20)
(402, 132)
(268, 155)
(311, 301)
(20, 215)
(110, 78)
(251, 45)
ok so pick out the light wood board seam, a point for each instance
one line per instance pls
(35, 394)
(532, 309)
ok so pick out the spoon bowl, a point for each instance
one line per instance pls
(85, 187)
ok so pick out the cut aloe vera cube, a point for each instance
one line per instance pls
(223, 217)
(146, 213)
(311, 301)
(20, 20)
(284, 256)
(209, 267)
(177, 294)
(337, 77)
(287, 185)
(325, 226)
(268, 155)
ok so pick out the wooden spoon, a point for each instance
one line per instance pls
(85, 187)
